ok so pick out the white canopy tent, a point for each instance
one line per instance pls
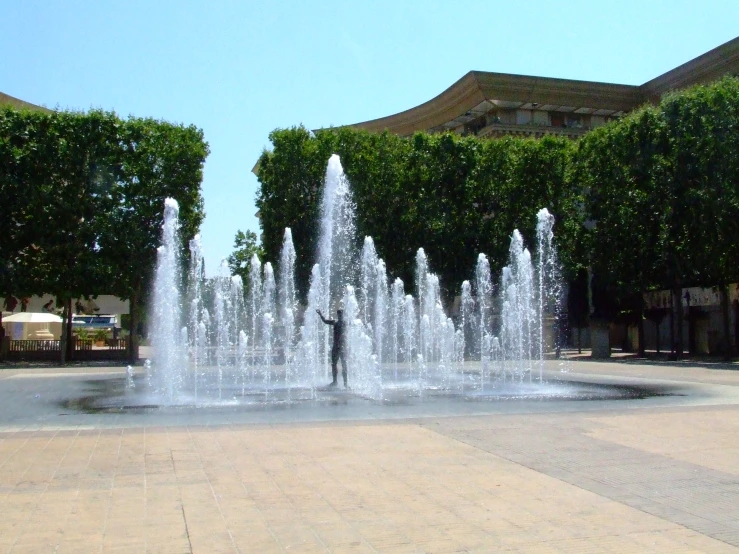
(32, 317)
(33, 326)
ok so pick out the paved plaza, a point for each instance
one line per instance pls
(657, 474)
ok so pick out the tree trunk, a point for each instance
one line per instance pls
(133, 340)
(678, 301)
(726, 320)
(640, 327)
(672, 326)
(68, 323)
(63, 338)
(579, 340)
(657, 323)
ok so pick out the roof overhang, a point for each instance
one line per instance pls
(714, 64)
(479, 91)
(7, 100)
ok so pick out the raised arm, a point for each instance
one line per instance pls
(326, 321)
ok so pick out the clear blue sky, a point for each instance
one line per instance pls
(239, 69)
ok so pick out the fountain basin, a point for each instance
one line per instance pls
(459, 393)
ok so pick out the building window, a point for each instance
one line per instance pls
(474, 126)
(523, 117)
(493, 118)
(558, 119)
(541, 117)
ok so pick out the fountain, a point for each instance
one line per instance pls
(223, 343)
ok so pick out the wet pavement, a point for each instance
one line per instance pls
(84, 396)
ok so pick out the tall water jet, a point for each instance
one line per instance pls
(255, 309)
(484, 286)
(336, 243)
(366, 379)
(269, 291)
(396, 324)
(335, 246)
(255, 343)
(421, 279)
(310, 353)
(367, 279)
(519, 329)
(410, 332)
(223, 321)
(269, 308)
(287, 298)
(195, 301)
(380, 318)
(431, 302)
(548, 279)
(237, 324)
(466, 323)
(169, 355)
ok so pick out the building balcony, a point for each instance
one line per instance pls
(530, 130)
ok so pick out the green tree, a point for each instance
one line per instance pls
(702, 125)
(622, 168)
(245, 247)
(662, 186)
(58, 170)
(291, 182)
(454, 196)
(23, 172)
(82, 202)
(157, 160)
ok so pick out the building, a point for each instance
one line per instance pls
(488, 104)
(7, 100)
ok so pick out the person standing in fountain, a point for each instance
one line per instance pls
(338, 351)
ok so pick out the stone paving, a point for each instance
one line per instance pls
(636, 477)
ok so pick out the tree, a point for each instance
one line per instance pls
(291, 181)
(158, 160)
(82, 202)
(58, 169)
(455, 196)
(702, 126)
(622, 170)
(662, 186)
(245, 247)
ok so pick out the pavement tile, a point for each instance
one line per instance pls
(593, 480)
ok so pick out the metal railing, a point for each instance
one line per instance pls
(34, 345)
(111, 344)
(50, 350)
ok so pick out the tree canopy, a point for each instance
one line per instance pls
(454, 196)
(245, 247)
(657, 190)
(83, 196)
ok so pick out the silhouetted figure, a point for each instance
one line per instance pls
(338, 351)
(10, 303)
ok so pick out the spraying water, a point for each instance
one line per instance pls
(256, 343)
(169, 355)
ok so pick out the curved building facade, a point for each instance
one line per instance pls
(489, 104)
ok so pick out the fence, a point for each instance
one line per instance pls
(50, 350)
